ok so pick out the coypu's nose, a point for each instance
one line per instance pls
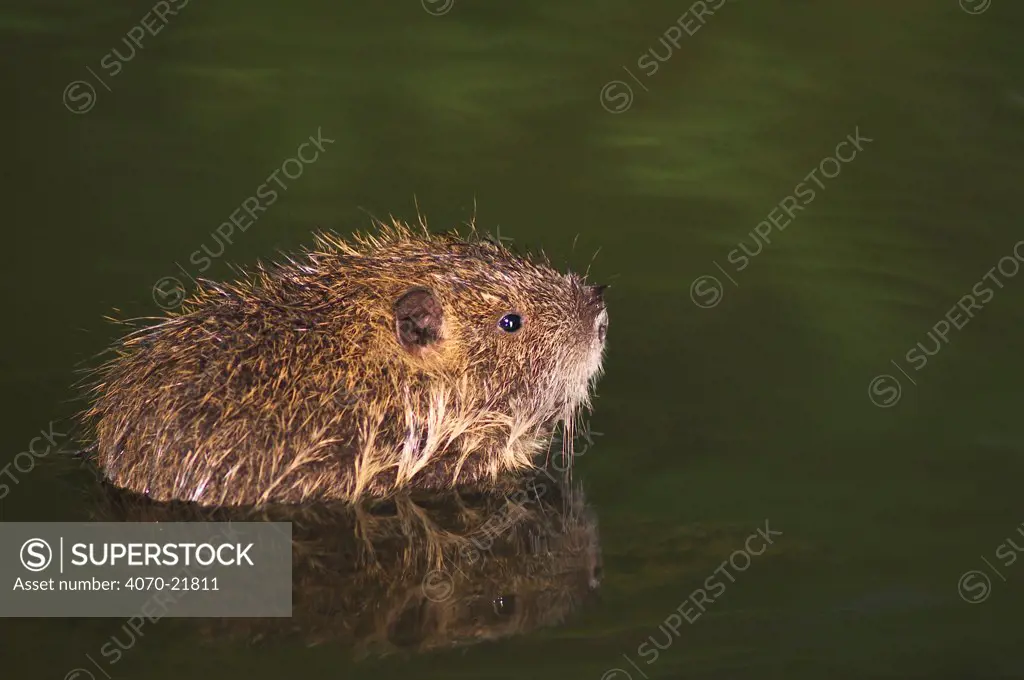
(597, 293)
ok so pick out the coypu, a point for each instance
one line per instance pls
(412, 573)
(399, 359)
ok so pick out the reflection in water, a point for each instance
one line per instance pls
(415, 573)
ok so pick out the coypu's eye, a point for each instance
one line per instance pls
(504, 605)
(510, 323)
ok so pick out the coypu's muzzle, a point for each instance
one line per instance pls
(599, 310)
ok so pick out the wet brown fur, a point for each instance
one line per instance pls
(291, 384)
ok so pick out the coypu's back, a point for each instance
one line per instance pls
(401, 359)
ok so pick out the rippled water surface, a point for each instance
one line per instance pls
(808, 213)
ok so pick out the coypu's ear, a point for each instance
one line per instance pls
(418, 318)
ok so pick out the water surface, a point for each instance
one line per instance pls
(712, 420)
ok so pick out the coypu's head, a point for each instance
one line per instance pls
(529, 338)
(533, 337)
(528, 331)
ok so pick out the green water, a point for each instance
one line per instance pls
(712, 420)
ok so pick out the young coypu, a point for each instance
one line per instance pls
(400, 360)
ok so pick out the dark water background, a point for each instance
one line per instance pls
(712, 419)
